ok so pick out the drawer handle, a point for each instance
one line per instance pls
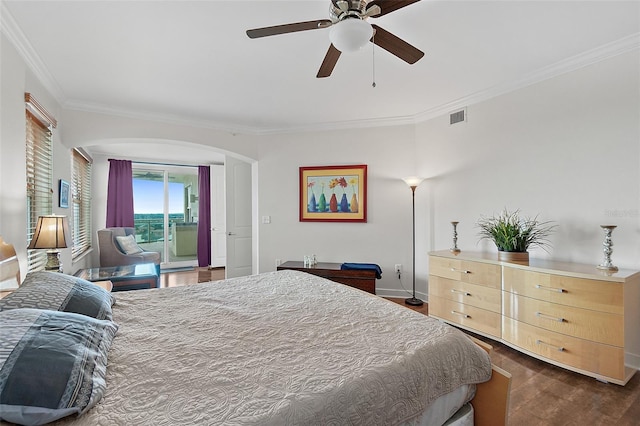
(460, 314)
(549, 317)
(464, 293)
(559, 290)
(463, 271)
(557, 348)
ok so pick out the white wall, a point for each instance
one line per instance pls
(15, 80)
(88, 128)
(567, 149)
(13, 221)
(388, 152)
(145, 140)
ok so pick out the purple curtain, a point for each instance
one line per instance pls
(120, 194)
(204, 216)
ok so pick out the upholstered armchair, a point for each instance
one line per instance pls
(113, 254)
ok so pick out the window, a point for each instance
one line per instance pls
(39, 153)
(165, 199)
(81, 203)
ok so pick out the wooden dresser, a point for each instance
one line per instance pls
(362, 279)
(571, 315)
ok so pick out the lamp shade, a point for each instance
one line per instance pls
(51, 232)
(413, 181)
(350, 34)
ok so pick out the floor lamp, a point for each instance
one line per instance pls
(413, 183)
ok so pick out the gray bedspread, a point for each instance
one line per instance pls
(281, 348)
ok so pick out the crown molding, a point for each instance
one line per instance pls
(609, 50)
(573, 63)
(175, 119)
(10, 28)
(178, 120)
(341, 125)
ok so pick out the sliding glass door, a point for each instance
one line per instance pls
(166, 212)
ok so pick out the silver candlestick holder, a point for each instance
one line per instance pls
(607, 250)
(455, 248)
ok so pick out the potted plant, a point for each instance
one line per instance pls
(513, 234)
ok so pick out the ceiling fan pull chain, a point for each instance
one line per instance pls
(373, 59)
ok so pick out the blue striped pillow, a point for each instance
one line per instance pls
(60, 292)
(52, 364)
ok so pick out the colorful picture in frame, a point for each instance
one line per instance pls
(63, 201)
(333, 193)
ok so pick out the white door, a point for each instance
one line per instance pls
(238, 204)
(218, 214)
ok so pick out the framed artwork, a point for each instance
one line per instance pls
(333, 194)
(63, 192)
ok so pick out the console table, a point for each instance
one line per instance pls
(571, 315)
(361, 279)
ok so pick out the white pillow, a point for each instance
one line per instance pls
(128, 244)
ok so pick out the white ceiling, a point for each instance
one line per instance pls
(192, 61)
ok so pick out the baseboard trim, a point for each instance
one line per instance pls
(632, 360)
(392, 292)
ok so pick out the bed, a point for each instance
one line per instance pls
(279, 348)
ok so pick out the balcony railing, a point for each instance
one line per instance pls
(152, 230)
(150, 236)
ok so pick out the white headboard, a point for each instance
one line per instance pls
(9, 267)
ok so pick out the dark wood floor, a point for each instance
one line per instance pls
(193, 276)
(541, 393)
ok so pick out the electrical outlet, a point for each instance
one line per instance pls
(278, 262)
(398, 268)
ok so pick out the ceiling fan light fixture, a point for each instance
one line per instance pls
(350, 34)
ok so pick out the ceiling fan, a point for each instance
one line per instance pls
(350, 30)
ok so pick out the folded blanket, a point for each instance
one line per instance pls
(363, 266)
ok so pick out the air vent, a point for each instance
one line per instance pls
(458, 116)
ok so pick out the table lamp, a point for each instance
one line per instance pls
(52, 233)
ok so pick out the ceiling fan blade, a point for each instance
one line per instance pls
(329, 62)
(396, 45)
(289, 28)
(388, 6)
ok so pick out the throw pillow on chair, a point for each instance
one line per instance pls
(128, 244)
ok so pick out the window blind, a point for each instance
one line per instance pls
(39, 155)
(81, 200)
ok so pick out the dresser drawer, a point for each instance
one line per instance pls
(604, 296)
(470, 294)
(597, 326)
(582, 354)
(368, 285)
(485, 274)
(465, 315)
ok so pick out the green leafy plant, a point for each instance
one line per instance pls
(513, 233)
